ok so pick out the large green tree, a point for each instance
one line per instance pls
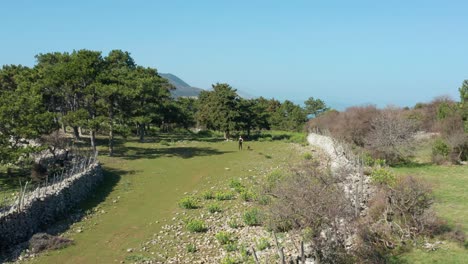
(315, 107)
(23, 117)
(218, 109)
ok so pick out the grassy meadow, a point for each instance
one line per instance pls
(143, 184)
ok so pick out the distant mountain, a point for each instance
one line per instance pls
(182, 88)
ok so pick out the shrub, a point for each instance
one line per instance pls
(42, 241)
(224, 237)
(252, 217)
(383, 176)
(196, 226)
(137, 258)
(307, 156)
(191, 248)
(229, 260)
(164, 143)
(233, 224)
(272, 180)
(222, 196)
(208, 195)
(263, 199)
(230, 247)
(214, 208)
(236, 185)
(247, 195)
(440, 151)
(263, 244)
(188, 203)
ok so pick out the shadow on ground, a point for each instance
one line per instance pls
(132, 153)
(63, 223)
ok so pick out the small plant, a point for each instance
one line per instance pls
(214, 208)
(233, 224)
(164, 142)
(208, 195)
(224, 238)
(307, 156)
(196, 226)
(440, 151)
(222, 196)
(383, 176)
(191, 248)
(252, 217)
(263, 199)
(231, 246)
(263, 244)
(229, 260)
(137, 258)
(247, 195)
(236, 185)
(188, 203)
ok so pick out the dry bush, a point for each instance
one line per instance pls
(309, 198)
(351, 125)
(390, 135)
(55, 141)
(42, 241)
(38, 172)
(396, 215)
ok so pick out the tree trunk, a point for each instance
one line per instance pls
(76, 133)
(226, 135)
(92, 136)
(80, 131)
(111, 132)
(142, 132)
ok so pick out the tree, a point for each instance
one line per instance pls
(315, 107)
(288, 116)
(150, 98)
(464, 103)
(23, 117)
(218, 108)
(116, 90)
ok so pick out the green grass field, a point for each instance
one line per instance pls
(450, 186)
(143, 184)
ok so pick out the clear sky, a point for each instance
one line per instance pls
(346, 52)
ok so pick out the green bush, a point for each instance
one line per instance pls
(196, 226)
(230, 247)
(236, 185)
(440, 151)
(208, 195)
(164, 143)
(263, 199)
(191, 248)
(252, 217)
(214, 208)
(188, 203)
(272, 180)
(233, 224)
(224, 238)
(263, 244)
(247, 195)
(383, 176)
(307, 156)
(222, 196)
(230, 260)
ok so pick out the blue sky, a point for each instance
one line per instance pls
(346, 52)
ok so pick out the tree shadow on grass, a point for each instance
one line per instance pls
(111, 177)
(133, 153)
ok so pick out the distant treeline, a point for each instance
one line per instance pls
(112, 95)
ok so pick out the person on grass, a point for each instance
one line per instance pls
(240, 142)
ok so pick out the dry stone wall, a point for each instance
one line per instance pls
(44, 205)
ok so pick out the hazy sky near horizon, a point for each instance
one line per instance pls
(346, 52)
